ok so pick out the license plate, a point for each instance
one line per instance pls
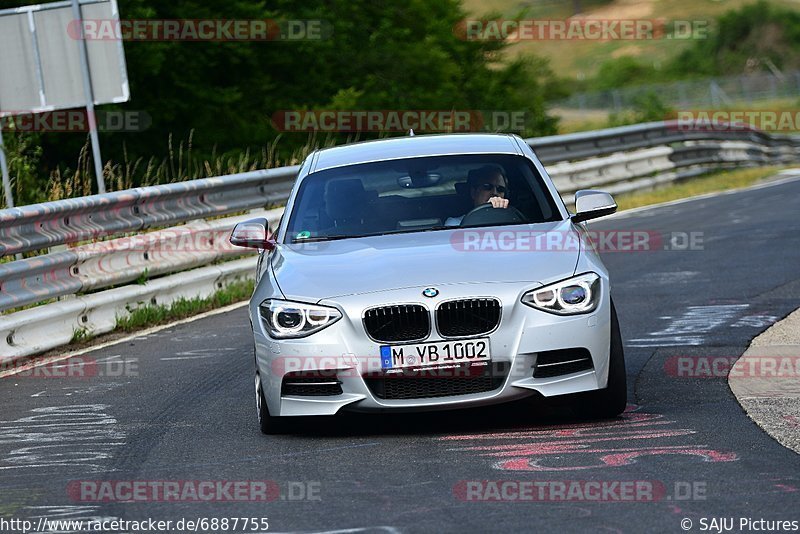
(434, 354)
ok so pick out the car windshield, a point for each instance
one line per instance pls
(416, 195)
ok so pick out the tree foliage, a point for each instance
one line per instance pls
(381, 55)
(745, 39)
(755, 37)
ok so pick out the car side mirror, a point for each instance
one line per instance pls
(253, 233)
(590, 204)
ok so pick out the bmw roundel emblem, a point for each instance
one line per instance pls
(430, 292)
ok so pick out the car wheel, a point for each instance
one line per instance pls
(268, 423)
(611, 401)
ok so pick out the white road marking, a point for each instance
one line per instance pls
(67, 436)
(93, 388)
(197, 354)
(73, 512)
(689, 327)
(662, 278)
(196, 357)
(45, 361)
(676, 341)
(103, 360)
(755, 321)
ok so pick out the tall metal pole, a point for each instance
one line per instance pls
(4, 168)
(89, 95)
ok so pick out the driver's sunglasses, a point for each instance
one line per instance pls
(501, 189)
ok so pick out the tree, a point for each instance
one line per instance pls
(381, 55)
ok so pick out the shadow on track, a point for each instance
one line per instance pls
(514, 416)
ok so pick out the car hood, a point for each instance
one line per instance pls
(520, 253)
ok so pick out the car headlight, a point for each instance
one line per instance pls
(579, 294)
(286, 319)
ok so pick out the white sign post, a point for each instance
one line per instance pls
(4, 169)
(46, 65)
(87, 93)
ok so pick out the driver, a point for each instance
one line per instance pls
(487, 185)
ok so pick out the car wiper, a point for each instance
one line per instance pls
(415, 230)
(434, 228)
(332, 237)
(335, 237)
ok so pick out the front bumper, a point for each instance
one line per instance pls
(345, 350)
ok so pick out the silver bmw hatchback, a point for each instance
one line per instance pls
(428, 273)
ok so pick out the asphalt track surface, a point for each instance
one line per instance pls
(178, 405)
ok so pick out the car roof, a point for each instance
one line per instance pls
(413, 146)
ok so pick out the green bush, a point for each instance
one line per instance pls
(622, 71)
(744, 39)
(752, 38)
(647, 107)
(23, 154)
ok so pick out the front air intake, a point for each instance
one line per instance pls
(433, 383)
(562, 362)
(401, 322)
(311, 384)
(468, 317)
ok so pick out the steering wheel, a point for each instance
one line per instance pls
(487, 214)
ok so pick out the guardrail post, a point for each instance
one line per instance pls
(617, 100)
(718, 96)
(682, 99)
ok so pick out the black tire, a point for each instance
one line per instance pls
(269, 425)
(611, 401)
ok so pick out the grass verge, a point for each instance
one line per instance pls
(148, 316)
(712, 183)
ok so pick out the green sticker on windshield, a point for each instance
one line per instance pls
(305, 234)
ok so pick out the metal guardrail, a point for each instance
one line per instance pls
(582, 145)
(42, 328)
(617, 159)
(28, 228)
(38, 226)
(104, 264)
(709, 93)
